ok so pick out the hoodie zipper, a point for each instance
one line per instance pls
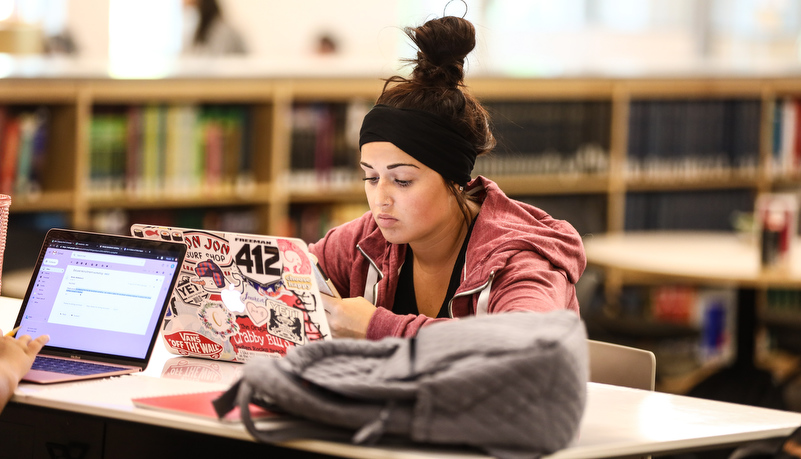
(450, 303)
(470, 292)
(375, 267)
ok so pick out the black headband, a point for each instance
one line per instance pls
(425, 136)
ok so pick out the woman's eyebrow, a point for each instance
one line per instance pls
(391, 166)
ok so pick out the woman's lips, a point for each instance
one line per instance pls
(385, 220)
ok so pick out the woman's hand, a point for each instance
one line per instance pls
(16, 358)
(349, 317)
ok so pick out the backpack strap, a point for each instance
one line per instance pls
(372, 431)
(240, 394)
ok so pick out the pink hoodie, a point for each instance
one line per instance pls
(518, 258)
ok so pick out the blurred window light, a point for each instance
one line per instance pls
(758, 19)
(144, 28)
(536, 15)
(6, 9)
(625, 15)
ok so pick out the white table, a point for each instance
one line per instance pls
(694, 256)
(618, 421)
(708, 258)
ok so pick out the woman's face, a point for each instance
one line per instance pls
(410, 202)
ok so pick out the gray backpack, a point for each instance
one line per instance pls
(511, 384)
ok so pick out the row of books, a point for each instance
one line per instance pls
(783, 301)
(118, 221)
(684, 137)
(166, 149)
(325, 142)
(710, 310)
(557, 137)
(588, 159)
(781, 316)
(686, 210)
(23, 147)
(533, 138)
(786, 138)
(690, 135)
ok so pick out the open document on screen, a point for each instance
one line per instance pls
(106, 299)
(98, 298)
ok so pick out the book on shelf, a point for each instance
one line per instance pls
(673, 303)
(233, 127)
(786, 141)
(200, 405)
(152, 149)
(213, 152)
(716, 313)
(23, 146)
(172, 148)
(133, 148)
(107, 151)
(27, 129)
(10, 152)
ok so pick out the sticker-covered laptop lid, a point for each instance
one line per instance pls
(240, 295)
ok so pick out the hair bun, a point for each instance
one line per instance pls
(443, 45)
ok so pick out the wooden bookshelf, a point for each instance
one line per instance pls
(270, 100)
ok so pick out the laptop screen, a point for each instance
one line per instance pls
(100, 293)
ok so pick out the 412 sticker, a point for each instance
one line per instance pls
(259, 263)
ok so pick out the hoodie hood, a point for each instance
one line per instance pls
(517, 226)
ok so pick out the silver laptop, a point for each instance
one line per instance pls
(240, 295)
(101, 298)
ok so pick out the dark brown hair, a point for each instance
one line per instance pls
(209, 12)
(437, 84)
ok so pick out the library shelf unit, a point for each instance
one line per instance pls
(265, 180)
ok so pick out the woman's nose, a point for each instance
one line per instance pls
(382, 196)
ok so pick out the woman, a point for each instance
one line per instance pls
(209, 33)
(436, 245)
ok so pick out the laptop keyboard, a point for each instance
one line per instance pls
(71, 367)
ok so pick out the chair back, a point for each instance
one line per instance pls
(621, 365)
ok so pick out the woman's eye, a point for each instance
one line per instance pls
(403, 182)
(370, 179)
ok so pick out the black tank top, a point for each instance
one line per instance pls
(405, 300)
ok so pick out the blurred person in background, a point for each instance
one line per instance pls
(207, 33)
